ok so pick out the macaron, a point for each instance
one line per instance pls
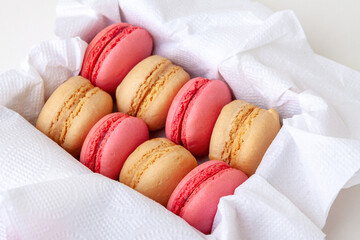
(156, 167)
(149, 88)
(110, 141)
(242, 134)
(71, 111)
(196, 197)
(113, 53)
(193, 113)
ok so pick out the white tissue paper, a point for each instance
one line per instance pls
(264, 57)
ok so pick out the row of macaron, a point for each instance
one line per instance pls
(150, 95)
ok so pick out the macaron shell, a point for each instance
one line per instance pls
(201, 116)
(121, 58)
(157, 166)
(255, 141)
(223, 126)
(178, 108)
(200, 209)
(73, 108)
(95, 135)
(96, 106)
(129, 132)
(97, 45)
(125, 138)
(180, 188)
(53, 105)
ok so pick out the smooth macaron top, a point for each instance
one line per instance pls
(196, 197)
(70, 112)
(194, 111)
(156, 167)
(242, 134)
(110, 142)
(113, 52)
(149, 88)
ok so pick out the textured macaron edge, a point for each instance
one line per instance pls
(149, 88)
(254, 139)
(65, 117)
(158, 174)
(161, 66)
(97, 45)
(106, 51)
(179, 106)
(92, 151)
(192, 183)
(131, 167)
(201, 116)
(238, 127)
(135, 85)
(70, 98)
(165, 76)
(75, 113)
(242, 134)
(200, 208)
(225, 130)
(149, 159)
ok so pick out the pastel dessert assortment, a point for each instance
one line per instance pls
(71, 111)
(156, 167)
(193, 113)
(110, 141)
(196, 197)
(149, 88)
(151, 93)
(242, 134)
(113, 53)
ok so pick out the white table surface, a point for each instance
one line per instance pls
(332, 28)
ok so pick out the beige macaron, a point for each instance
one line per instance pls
(242, 134)
(149, 88)
(156, 167)
(70, 112)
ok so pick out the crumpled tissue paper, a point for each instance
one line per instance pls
(264, 57)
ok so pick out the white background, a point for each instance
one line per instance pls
(332, 28)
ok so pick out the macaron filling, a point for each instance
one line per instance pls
(107, 49)
(178, 134)
(102, 134)
(95, 52)
(193, 185)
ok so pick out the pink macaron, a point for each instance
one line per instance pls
(196, 197)
(110, 141)
(193, 113)
(113, 53)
